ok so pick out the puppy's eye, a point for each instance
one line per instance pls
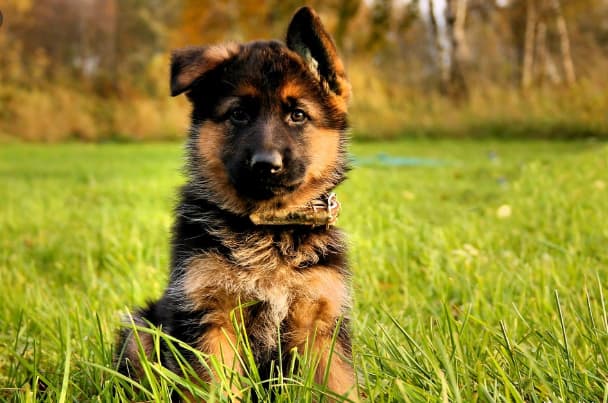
(298, 116)
(239, 116)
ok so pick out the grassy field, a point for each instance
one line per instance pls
(480, 277)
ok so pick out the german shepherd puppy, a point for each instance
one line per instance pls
(253, 229)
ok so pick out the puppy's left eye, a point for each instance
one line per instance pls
(298, 116)
(239, 116)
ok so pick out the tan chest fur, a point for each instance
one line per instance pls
(303, 297)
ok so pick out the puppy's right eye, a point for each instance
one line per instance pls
(239, 116)
(298, 116)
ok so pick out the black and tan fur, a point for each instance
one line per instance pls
(251, 104)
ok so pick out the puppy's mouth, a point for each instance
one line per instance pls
(265, 188)
(285, 188)
(270, 191)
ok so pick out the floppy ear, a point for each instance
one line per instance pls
(191, 63)
(307, 37)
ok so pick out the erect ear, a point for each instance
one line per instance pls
(191, 63)
(307, 37)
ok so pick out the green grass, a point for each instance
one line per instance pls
(455, 298)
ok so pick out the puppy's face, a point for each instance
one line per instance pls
(268, 120)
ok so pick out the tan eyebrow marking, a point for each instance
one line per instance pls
(292, 90)
(312, 109)
(226, 104)
(246, 90)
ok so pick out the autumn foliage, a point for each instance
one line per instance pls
(98, 69)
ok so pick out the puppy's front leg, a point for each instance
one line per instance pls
(312, 324)
(220, 341)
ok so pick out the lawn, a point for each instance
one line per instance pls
(480, 268)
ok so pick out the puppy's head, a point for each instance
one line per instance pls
(268, 120)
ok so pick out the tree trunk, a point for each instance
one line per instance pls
(455, 24)
(440, 59)
(459, 28)
(545, 66)
(528, 63)
(564, 42)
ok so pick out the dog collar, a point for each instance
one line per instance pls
(319, 212)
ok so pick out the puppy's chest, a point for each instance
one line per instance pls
(274, 275)
(211, 276)
(264, 251)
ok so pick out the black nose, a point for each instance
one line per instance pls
(267, 162)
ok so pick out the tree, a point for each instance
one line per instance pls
(528, 61)
(538, 61)
(564, 42)
(456, 85)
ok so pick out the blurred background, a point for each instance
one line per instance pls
(98, 69)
